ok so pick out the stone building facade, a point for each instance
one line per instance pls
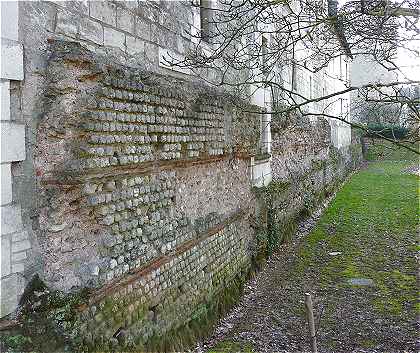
(15, 242)
(131, 186)
(365, 108)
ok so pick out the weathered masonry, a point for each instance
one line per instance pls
(144, 196)
(137, 212)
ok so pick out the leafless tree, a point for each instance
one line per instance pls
(246, 45)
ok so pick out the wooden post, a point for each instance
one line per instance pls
(311, 321)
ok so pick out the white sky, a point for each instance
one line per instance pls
(407, 61)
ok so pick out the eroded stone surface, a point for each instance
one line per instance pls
(147, 195)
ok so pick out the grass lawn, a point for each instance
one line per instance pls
(372, 223)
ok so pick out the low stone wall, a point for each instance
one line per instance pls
(156, 305)
(133, 214)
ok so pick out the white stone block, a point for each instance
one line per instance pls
(125, 20)
(114, 38)
(12, 142)
(5, 256)
(9, 19)
(19, 256)
(104, 11)
(6, 184)
(195, 28)
(20, 236)
(21, 246)
(11, 60)
(168, 57)
(18, 268)
(261, 173)
(92, 31)
(260, 97)
(66, 24)
(11, 289)
(11, 219)
(134, 45)
(5, 99)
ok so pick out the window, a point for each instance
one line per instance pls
(347, 72)
(294, 76)
(310, 87)
(264, 52)
(294, 72)
(205, 19)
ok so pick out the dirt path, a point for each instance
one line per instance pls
(359, 263)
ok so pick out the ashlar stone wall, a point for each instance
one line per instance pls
(15, 245)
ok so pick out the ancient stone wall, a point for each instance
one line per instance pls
(306, 168)
(133, 33)
(144, 195)
(15, 243)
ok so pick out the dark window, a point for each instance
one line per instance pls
(310, 87)
(205, 19)
(294, 71)
(264, 54)
(294, 76)
(347, 72)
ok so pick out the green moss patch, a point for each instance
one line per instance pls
(203, 319)
(359, 264)
(48, 320)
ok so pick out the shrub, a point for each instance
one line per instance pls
(387, 130)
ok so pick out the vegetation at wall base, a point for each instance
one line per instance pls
(47, 321)
(207, 314)
(359, 261)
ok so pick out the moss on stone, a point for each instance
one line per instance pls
(48, 320)
(204, 317)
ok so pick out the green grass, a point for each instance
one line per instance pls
(373, 221)
(385, 150)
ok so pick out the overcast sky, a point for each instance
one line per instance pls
(408, 62)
